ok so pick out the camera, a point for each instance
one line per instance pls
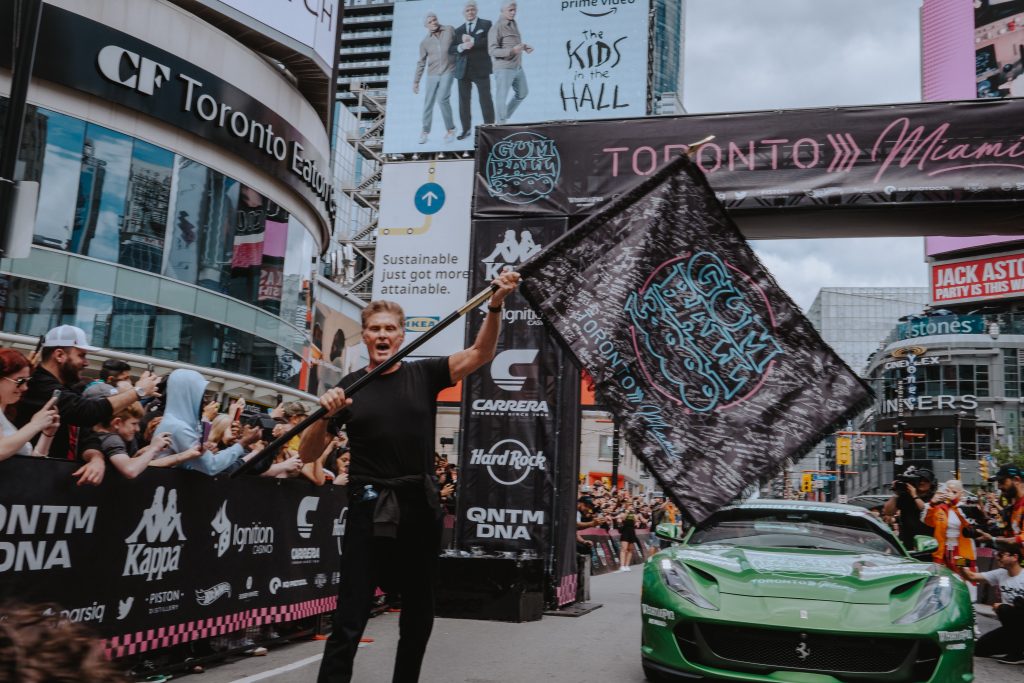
(910, 476)
(264, 422)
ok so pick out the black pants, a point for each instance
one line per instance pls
(406, 565)
(1000, 641)
(483, 92)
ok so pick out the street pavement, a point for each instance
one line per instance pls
(603, 645)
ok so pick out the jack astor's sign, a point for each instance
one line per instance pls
(876, 156)
(124, 70)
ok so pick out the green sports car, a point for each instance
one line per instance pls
(776, 590)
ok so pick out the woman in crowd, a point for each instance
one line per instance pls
(944, 514)
(14, 376)
(626, 522)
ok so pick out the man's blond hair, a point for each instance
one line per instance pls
(383, 306)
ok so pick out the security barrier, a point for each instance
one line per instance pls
(171, 556)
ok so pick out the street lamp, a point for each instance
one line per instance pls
(956, 453)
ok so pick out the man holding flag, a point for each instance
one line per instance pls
(393, 532)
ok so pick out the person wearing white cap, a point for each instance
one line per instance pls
(63, 359)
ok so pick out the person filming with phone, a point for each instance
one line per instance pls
(910, 493)
(14, 376)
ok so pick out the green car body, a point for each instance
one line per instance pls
(809, 595)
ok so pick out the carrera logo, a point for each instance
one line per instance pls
(486, 406)
(509, 461)
(501, 368)
(131, 70)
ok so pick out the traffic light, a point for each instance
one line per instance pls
(806, 483)
(983, 469)
(844, 450)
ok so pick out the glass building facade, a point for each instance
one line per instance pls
(854, 320)
(153, 253)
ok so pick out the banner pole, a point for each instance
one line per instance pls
(320, 412)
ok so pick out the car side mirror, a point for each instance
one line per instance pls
(924, 548)
(669, 532)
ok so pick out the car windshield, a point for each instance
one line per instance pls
(794, 529)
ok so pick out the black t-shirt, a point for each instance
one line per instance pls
(910, 517)
(391, 422)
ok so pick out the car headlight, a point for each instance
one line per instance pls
(935, 597)
(679, 580)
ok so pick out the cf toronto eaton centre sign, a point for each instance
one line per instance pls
(122, 69)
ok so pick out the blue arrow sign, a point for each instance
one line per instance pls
(429, 198)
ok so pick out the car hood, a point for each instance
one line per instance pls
(865, 578)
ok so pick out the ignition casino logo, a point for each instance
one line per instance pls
(523, 168)
(703, 332)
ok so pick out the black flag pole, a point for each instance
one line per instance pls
(361, 382)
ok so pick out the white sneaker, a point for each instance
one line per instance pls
(625, 569)
(423, 138)
(449, 136)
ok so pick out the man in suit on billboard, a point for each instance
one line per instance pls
(472, 66)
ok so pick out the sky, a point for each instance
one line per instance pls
(774, 54)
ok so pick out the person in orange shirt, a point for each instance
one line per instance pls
(943, 514)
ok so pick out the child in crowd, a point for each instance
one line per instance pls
(115, 435)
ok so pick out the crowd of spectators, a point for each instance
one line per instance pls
(48, 409)
(599, 506)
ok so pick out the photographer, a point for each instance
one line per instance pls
(912, 490)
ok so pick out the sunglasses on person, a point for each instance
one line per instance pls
(18, 382)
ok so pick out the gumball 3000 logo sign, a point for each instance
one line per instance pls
(523, 168)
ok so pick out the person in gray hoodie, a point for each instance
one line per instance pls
(183, 421)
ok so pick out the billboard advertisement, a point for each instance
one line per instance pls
(546, 61)
(933, 246)
(978, 279)
(311, 23)
(423, 246)
(971, 50)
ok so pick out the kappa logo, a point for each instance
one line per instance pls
(150, 549)
(131, 70)
(309, 504)
(509, 461)
(511, 250)
(501, 368)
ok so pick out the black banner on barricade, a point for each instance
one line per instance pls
(518, 448)
(171, 556)
(881, 156)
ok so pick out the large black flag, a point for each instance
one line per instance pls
(712, 372)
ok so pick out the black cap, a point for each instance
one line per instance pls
(1008, 546)
(1005, 472)
(925, 473)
